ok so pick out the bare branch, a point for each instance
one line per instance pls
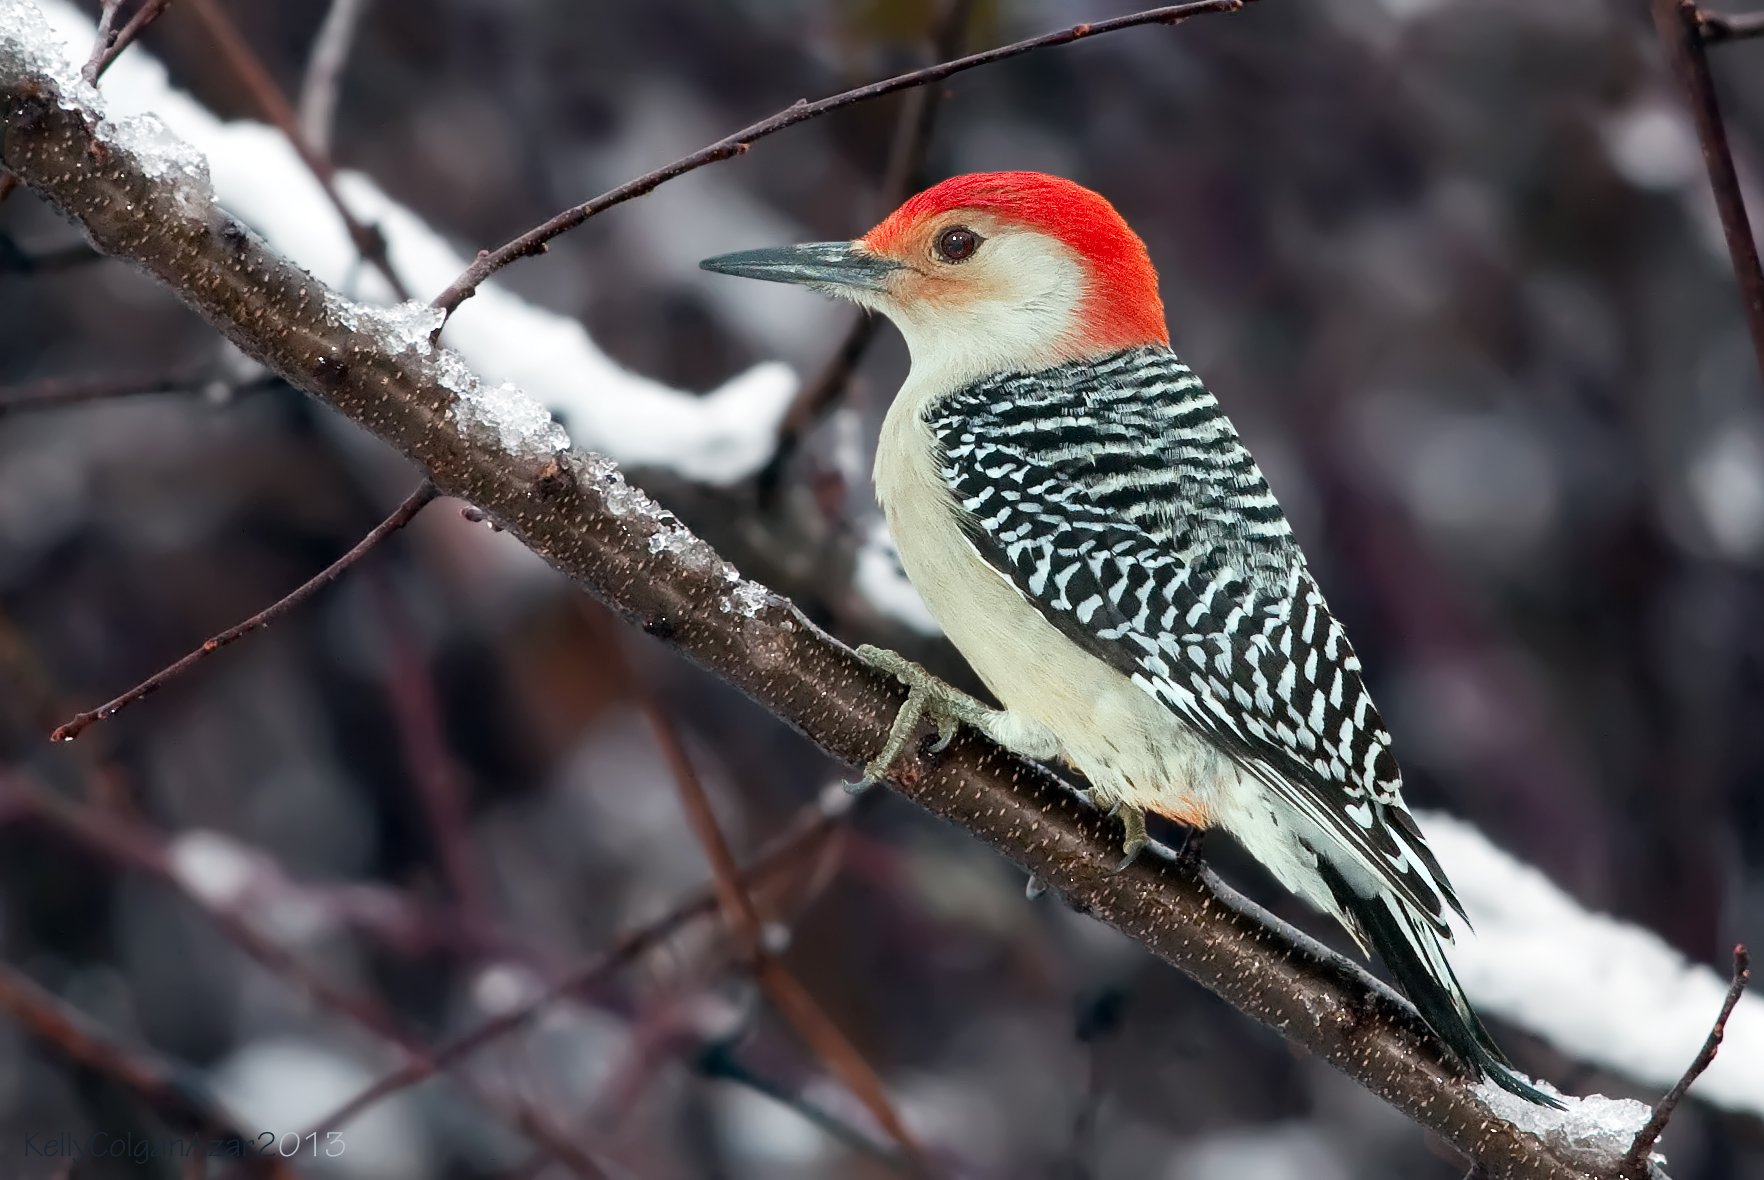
(904, 174)
(792, 1000)
(14, 260)
(533, 241)
(324, 72)
(1636, 1162)
(807, 833)
(1677, 22)
(400, 517)
(177, 1092)
(72, 391)
(370, 243)
(106, 34)
(110, 48)
(137, 849)
(1720, 26)
(575, 511)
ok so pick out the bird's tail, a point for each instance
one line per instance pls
(1412, 949)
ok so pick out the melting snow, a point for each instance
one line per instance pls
(1594, 1132)
(406, 327)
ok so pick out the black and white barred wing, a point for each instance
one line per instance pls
(1119, 500)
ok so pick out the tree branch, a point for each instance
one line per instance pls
(1721, 26)
(401, 516)
(1636, 1162)
(575, 511)
(900, 179)
(1682, 33)
(533, 241)
(370, 243)
(178, 1092)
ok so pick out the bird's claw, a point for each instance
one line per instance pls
(927, 698)
(1133, 820)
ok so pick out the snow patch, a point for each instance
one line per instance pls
(1603, 991)
(504, 412)
(42, 46)
(404, 327)
(884, 585)
(213, 867)
(1594, 1132)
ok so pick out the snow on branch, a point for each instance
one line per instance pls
(719, 438)
(138, 196)
(1602, 990)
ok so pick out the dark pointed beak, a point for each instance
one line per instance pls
(813, 264)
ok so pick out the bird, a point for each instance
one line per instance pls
(1083, 521)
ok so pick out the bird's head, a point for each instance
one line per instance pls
(989, 272)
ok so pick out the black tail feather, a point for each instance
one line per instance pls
(1413, 955)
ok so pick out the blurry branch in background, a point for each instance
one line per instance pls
(1682, 30)
(324, 72)
(70, 391)
(179, 1093)
(225, 898)
(401, 516)
(793, 1001)
(1720, 26)
(1635, 1164)
(575, 511)
(807, 835)
(533, 241)
(14, 260)
(274, 105)
(904, 175)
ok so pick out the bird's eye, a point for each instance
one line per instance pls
(957, 243)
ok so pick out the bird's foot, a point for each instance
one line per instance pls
(928, 699)
(1133, 822)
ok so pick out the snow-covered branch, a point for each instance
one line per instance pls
(141, 194)
(257, 176)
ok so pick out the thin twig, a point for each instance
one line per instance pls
(793, 1001)
(1635, 1162)
(149, 12)
(533, 241)
(721, 1062)
(1682, 35)
(14, 260)
(106, 27)
(400, 517)
(177, 1092)
(807, 832)
(370, 243)
(1718, 27)
(904, 173)
(410, 688)
(70, 391)
(324, 72)
(138, 849)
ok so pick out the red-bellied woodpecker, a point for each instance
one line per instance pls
(1079, 515)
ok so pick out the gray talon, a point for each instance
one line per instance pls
(1133, 820)
(927, 698)
(859, 787)
(1034, 887)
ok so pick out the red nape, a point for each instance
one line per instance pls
(1123, 308)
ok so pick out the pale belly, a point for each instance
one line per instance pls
(1117, 735)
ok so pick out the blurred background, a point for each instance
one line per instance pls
(1453, 268)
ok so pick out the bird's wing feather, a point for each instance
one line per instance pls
(1118, 498)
